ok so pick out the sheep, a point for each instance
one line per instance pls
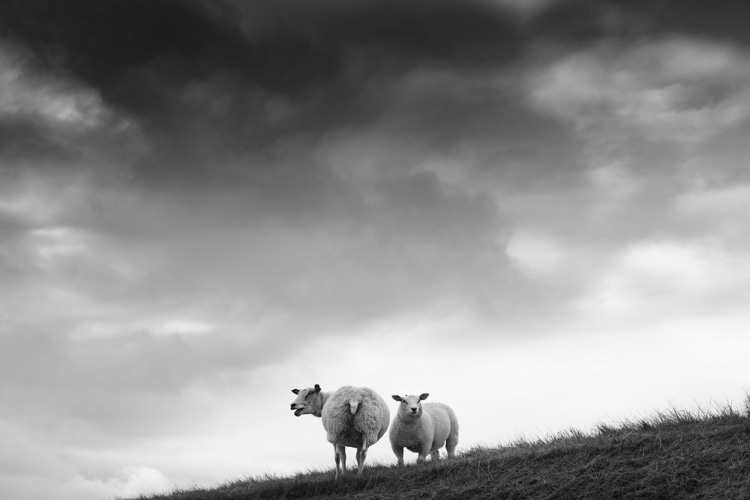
(356, 417)
(422, 428)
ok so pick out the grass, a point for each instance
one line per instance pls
(675, 454)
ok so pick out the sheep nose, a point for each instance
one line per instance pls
(414, 410)
(293, 405)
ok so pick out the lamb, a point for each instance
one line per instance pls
(422, 428)
(356, 417)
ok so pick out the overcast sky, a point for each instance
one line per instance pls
(537, 211)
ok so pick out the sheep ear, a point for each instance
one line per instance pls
(296, 391)
(423, 396)
(317, 388)
(397, 398)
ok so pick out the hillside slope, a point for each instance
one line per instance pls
(673, 455)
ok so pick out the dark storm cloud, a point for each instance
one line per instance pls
(221, 83)
(722, 21)
(287, 46)
(186, 68)
(26, 140)
(581, 22)
(175, 62)
(213, 84)
(394, 33)
(101, 42)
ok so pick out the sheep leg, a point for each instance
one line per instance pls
(340, 457)
(399, 452)
(450, 445)
(435, 455)
(337, 460)
(424, 449)
(361, 455)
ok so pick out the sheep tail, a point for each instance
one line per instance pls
(353, 406)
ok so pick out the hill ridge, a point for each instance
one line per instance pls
(676, 454)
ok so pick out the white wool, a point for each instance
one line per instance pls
(356, 417)
(423, 428)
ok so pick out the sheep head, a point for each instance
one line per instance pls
(308, 401)
(411, 406)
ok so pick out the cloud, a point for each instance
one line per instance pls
(216, 106)
(527, 7)
(719, 210)
(184, 63)
(128, 233)
(53, 100)
(669, 90)
(50, 117)
(391, 197)
(539, 254)
(32, 464)
(721, 22)
(132, 481)
(653, 280)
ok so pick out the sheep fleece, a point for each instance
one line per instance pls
(371, 418)
(434, 427)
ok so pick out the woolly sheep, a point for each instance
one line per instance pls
(356, 417)
(423, 428)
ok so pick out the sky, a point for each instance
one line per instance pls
(537, 211)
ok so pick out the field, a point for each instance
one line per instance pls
(674, 454)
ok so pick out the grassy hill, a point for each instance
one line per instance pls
(675, 454)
